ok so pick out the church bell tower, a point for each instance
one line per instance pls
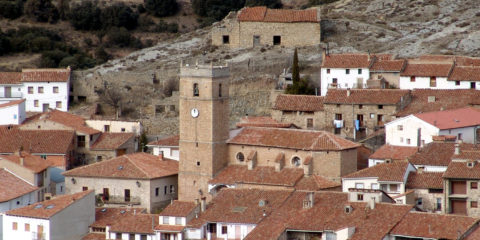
(204, 119)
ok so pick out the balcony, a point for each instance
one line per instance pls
(11, 95)
(122, 200)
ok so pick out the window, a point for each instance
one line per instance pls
(360, 197)
(473, 204)
(374, 186)
(474, 185)
(226, 39)
(58, 104)
(30, 90)
(412, 79)
(360, 106)
(457, 83)
(338, 116)
(328, 70)
(122, 129)
(224, 230)
(393, 187)
(55, 89)
(196, 92)
(419, 201)
(35, 103)
(359, 71)
(157, 190)
(198, 163)
(143, 237)
(309, 122)
(334, 81)
(400, 127)
(166, 220)
(296, 161)
(380, 106)
(433, 81)
(178, 221)
(431, 190)
(84, 188)
(27, 227)
(472, 85)
(359, 186)
(14, 225)
(40, 89)
(172, 189)
(408, 141)
(99, 158)
(347, 71)
(80, 141)
(131, 236)
(277, 40)
(438, 204)
(459, 136)
(165, 190)
(43, 156)
(106, 128)
(240, 157)
(372, 115)
(220, 90)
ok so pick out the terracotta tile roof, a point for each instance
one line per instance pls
(454, 118)
(35, 141)
(304, 103)
(140, 223)
(427, 69)
(64, 118)
(292, 138)
(443, 138)
(437, 153)
(461, 73)
(179, 209)
(34, 163)
(43, 209)
(130, 166)
(111, 141)
(474, 235)
(259, 175)
(350, 60)
(393, 152)
(107, 216)
(241, 206)
(425, 180)
(46, 75)
(10, 77)
(380, 65)
(263, 122)
(433, 226)
(461, 170)
(316, 183)
(467, 61)
(444, 100)
(471, 154)
(394, 171)
(263, 14)
(94, 236)
(11, 103)
(169, 228)
(171, 141)
(12, 186)
(365, 96)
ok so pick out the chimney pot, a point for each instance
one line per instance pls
(203, 204)
(457, 148)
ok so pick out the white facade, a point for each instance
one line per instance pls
(408, 130)
(233, 230)
(116, 126)
(13, 114)
(10, 92)
(168, 152)
(126, 236)
(43, 95)
(345, 78)
(441, 83)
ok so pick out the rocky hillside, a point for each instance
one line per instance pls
(405, 28)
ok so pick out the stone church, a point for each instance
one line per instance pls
(212, 156)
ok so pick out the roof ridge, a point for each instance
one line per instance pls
(137, 166)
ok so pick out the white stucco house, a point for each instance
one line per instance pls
(168, 147)
(64, 217)
(116, 126)
(389, 177)
(418, 129)
(41, 88)
(427, 76)
(13, 112)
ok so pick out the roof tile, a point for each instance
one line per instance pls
(35, 141)
(425, 180)
(263, 14)
(454, 118)
(12, 186)
(171, 141)
(394, 152)
(394, 171)
(34, 163)
(465, 73)
(111, 141)
(365, 96)
(347, 60)
(427, 70)
(179, 209)
(46, 75)
(304, 103)
(10, 77)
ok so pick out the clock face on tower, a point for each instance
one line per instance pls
(194, 112)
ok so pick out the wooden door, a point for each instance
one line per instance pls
(39, 232)
(106, 194)
(8, 92)
(459, 207)
(459, 187)
(45, 107)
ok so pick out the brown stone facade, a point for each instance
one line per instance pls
(469, 199)
(247, 34)
(203, 128)
(302, 119)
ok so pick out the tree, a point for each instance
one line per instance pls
(161, 8)
(86, 16)
(41, 10)
(63, 9)
(216, 9)
(267, 3)
(119, 15)
(11, 9)
(295, 68)
(112, 96)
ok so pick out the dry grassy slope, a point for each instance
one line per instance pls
(406, 28)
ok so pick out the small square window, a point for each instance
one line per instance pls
(328, 70)
(277, 40)
(408, 141)
(165, 220)
(360, 106)
(473, 185)
(178, 221)
(40, 89)
(30, 90)
(123, 129)
(360, 197)
(400, 127)
(224, 230)
(27, 227)
(84, 188)
(55, 89)
(419, 201)
(35, 103)
(372, 115)
(359, 71)
(457, 83)
(347, 71)
(401, 139)
(226, 39)
(157, 191)
(380, 106)
(58, 104)
(14, 225)
(473, 204)
(412, 79)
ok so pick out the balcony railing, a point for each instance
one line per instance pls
(11, 95)
(122, 200)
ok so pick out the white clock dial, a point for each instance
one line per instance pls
(194, 112)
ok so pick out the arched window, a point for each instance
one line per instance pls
(296, 161)
(196, 91)
(240, 157)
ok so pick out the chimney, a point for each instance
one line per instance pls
(457, 148)
(307, 166)
(252, 160)
(309, 200)
(371, 203)
(160, 155)
(203, 204)
(348, 92)
(420, 170)
(22, 160)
